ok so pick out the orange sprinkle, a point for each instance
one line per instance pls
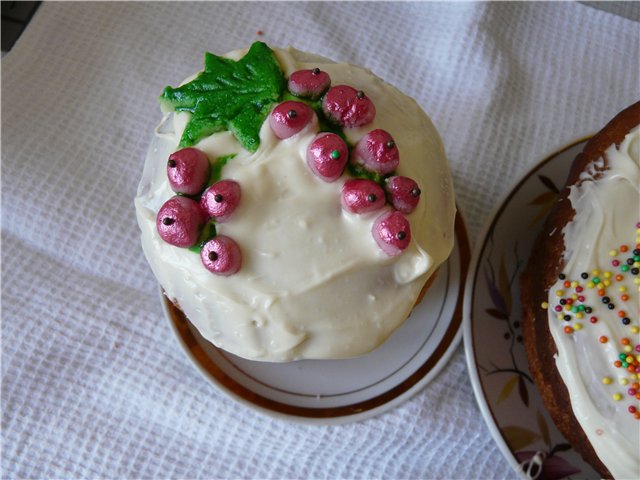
(619, 278)
(625, 341)
(624, 297)
(631, 368)
(622, 314)
(624, 248)
(567, 284)
(638, 395)
(568, 330)
(637, 415)
(601, 293)
(603, 339)
(617, 364)
(635, 385)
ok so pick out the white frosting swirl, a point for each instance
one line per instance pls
(607, 206)
(313, 282)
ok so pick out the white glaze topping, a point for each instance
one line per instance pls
(313, 282)
(607, 207)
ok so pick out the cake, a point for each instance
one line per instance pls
(581, 302)
(293, 207)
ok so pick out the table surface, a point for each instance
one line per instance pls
(93, 382)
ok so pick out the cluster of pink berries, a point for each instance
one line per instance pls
(327, 154)
(181, 218)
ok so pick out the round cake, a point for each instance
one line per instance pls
(582, 306)
(293, 207)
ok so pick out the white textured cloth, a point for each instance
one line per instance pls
(93, 383)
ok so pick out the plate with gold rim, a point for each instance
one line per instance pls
(341, 391)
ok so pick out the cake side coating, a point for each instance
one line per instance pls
(313, 282)
(578, 258)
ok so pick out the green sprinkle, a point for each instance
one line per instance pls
(335, 154)
(624, 268)
(596, 280)
(581, 308)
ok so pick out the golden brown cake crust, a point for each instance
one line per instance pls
(543, 268)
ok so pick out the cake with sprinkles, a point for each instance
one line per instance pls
(581, 301)
(293, 207)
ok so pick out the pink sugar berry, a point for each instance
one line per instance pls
(348, 107)
(327, 156)
(188, 171)
(309, 83)
(377, 152)
(392, 232)
(289, 117)
(221, 255)
(404, 193)
(179, 221)
(221, 199)
(362, 196)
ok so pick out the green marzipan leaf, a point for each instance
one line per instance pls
(229, 95)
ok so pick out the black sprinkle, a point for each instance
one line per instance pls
(635, 271)
(588, 309)
(562, 276)
(636, 251)
(626, 320)
(563, 301)
(218, 198)
(630, 261)
(390, 144)
(567, 318)
(315, 71)
(213, 256)
(168, 220)
(611, 306)
(584, 275)
(171, 163)
(292, 114)
(401, 235)
(415, 192)
(372, 197)
(360, 94)
(606, 299)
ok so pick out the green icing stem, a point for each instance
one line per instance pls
(216, 169)
(206, 234)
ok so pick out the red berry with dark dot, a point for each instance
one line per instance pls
(348, 107)
(221, 255)
(179, 221)
(221, 199)
(377, 152)
(362, 196)
(309, 83)
(327, 155)
(392, 233)
(188, 171)
(403, 193)
(289, 118)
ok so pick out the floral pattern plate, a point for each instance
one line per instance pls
(504, 389)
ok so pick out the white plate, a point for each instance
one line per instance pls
(338, 391)
(506, 394)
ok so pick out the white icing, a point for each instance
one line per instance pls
(313, 283)
(607, 206)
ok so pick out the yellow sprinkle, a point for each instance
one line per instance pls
(607, 283)
(577, 326)
(579, 315)
(591, 285)
(560, 316)
(613, 253)
(635, 329)
(607, 274)
(633, 376)
(567, 308)
(627, 348)
(636, 264)
(574, 296)
(623, 381)
(559, 293)
(623, 289)
(617, 397)
(574, 284)
(545, 305)
(629, 359)
(638, 358)
(606, 380)
(595, 273)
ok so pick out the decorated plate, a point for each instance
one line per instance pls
(338, 391)
(507, 396)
